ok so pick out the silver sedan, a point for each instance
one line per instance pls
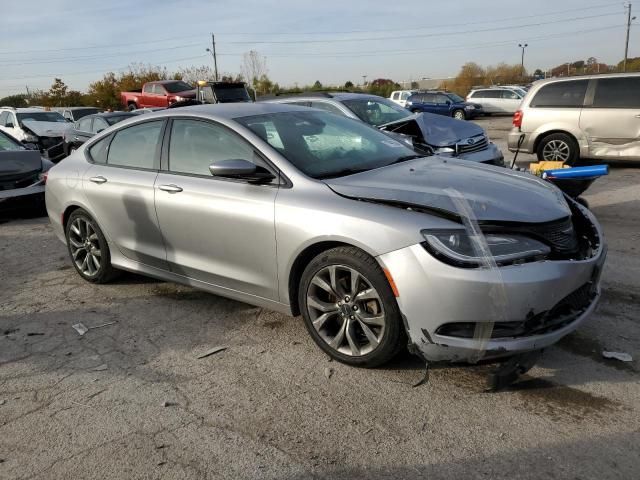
(306, 212)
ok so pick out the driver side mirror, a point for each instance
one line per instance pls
(241, 169)
(448, 102)
(9, 125)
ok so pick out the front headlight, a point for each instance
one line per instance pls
(445, 150)
(470, 107)
(457, 248)
(30, 138)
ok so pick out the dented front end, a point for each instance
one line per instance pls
(455, 314)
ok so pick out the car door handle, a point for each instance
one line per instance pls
(170, 188)
(637, 116)
(98, 180)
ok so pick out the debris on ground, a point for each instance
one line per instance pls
(81, 328)
(168, 404)
(328, 372)
(425, 377)
(100, 368)
(2, 402)
(211, 352)
(623, 357)
(34, 334)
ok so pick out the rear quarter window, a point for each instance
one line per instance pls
(569, 94)
(621, 92)
(99, 150)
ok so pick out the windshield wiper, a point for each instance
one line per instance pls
(342, 173)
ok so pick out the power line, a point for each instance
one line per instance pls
(431, 27)
(91, 57)
(348, 54)
(425, 35)
(59, 75)
(128, 44)
(474, 45)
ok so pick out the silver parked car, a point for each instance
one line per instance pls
(565, 119)
(305, 212)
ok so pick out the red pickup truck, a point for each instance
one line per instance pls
(158, 94)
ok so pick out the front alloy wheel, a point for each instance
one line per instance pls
(349, 308)
(346, 310)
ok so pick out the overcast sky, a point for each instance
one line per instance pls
(303, 41)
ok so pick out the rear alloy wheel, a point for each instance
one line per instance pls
(459, 115)
(349, 308)
(88, 248)
(558, 147)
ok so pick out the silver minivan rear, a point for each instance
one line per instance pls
(565, 119)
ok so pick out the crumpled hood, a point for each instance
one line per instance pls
(437, 130)
(495, 194)
(48, 129)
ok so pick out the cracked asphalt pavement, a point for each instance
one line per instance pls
(132, 400)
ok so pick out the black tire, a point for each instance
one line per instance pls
(459, 114)
(105, 273)
(562, 140)
(131, 107)
(392, 337)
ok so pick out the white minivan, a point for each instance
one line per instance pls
(497, 99)
(400, 96)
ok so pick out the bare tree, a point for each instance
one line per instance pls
(253, 67)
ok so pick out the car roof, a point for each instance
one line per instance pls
(584, 77)
(227, 110)
(57, 109)
(339, 96)
(27, 110)
(112, 114)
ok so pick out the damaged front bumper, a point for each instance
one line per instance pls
(443, 306)
(491, 155)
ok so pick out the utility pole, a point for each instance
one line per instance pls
(364, 80)
(626, 45)
(522, 46)
(213, 54)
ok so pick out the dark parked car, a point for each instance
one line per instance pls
(427, 133)
(22, 175)
(73, 114)
(443, 103)
(88, 126)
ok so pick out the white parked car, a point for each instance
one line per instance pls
(400, 96)
(36, 126)
(497, 99)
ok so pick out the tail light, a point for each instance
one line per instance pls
(43, 176)
(517, 118)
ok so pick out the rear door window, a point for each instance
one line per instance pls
(84, 125)
(510, 95)
(396, 95)
(3, 118)
(621, 92)
(136, 146)
(569, 94)
(99, 124)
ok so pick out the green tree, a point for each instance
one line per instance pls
(15, 101)
(382, 87)
(57, 93)
(348, 84)
(317, 85)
